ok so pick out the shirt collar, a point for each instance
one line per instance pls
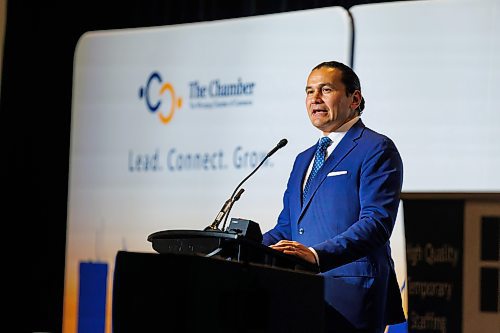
(338, 134)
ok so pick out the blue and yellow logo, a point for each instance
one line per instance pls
(156, 98)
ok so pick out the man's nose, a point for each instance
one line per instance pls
(316, 97)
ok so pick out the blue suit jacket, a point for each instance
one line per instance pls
(348, 219)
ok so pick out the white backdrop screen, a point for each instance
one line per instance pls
(430, 72)
(167, 121)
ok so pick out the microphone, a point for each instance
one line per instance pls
(224, 212)
(280, 145)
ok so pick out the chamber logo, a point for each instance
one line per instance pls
(160, 97)
(218, 94)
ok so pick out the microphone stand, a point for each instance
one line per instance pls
(224, 212)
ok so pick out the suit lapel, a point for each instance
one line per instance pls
(302, 166)
(339, 153)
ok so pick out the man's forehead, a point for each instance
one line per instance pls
(324, 75)
(318, 81)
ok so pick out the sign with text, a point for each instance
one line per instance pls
(434, 246)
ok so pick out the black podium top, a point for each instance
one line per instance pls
(226, 245)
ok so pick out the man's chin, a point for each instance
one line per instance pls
(321, 126)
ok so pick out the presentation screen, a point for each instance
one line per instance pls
(430, 73)
(167, 121)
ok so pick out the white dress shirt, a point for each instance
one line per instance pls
(335, 137)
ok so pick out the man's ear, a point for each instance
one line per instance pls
(356, 99)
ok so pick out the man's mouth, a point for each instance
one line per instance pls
(318, 111)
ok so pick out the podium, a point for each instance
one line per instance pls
(189, 293)
(213, 281)
(226, 245)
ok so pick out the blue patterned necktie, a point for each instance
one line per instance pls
(319, 159)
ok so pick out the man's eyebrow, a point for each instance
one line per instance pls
(321, 85)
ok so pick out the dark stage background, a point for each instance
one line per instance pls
(35, 105)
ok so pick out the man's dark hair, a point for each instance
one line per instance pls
(349, 79)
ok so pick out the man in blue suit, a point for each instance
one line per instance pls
(340, 206)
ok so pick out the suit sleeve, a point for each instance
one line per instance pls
(282, 230)
(380, 183)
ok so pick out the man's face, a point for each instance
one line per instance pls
(327, 103)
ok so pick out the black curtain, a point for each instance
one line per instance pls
(35, 107)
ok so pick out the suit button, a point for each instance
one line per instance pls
(301, 231)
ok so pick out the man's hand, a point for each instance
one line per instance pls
(296, 249)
